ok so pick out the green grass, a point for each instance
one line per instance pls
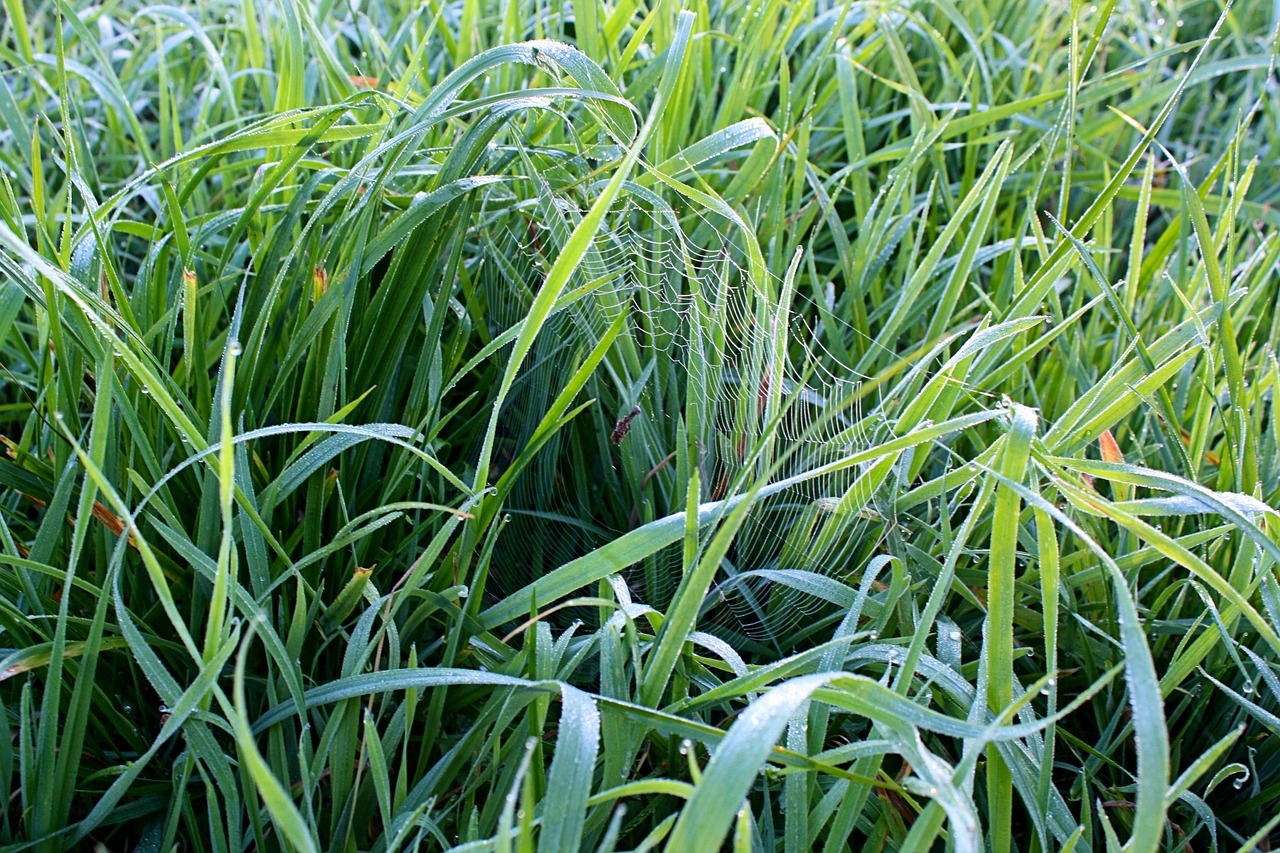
(946, 521)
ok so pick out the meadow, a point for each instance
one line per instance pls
(612, 425)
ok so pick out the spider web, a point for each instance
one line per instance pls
(698, 359)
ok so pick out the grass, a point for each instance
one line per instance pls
(946, 520)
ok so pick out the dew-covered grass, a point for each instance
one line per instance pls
(768, 425)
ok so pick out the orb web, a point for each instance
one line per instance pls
(697, 358)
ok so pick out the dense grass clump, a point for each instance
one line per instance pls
(768, 426)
